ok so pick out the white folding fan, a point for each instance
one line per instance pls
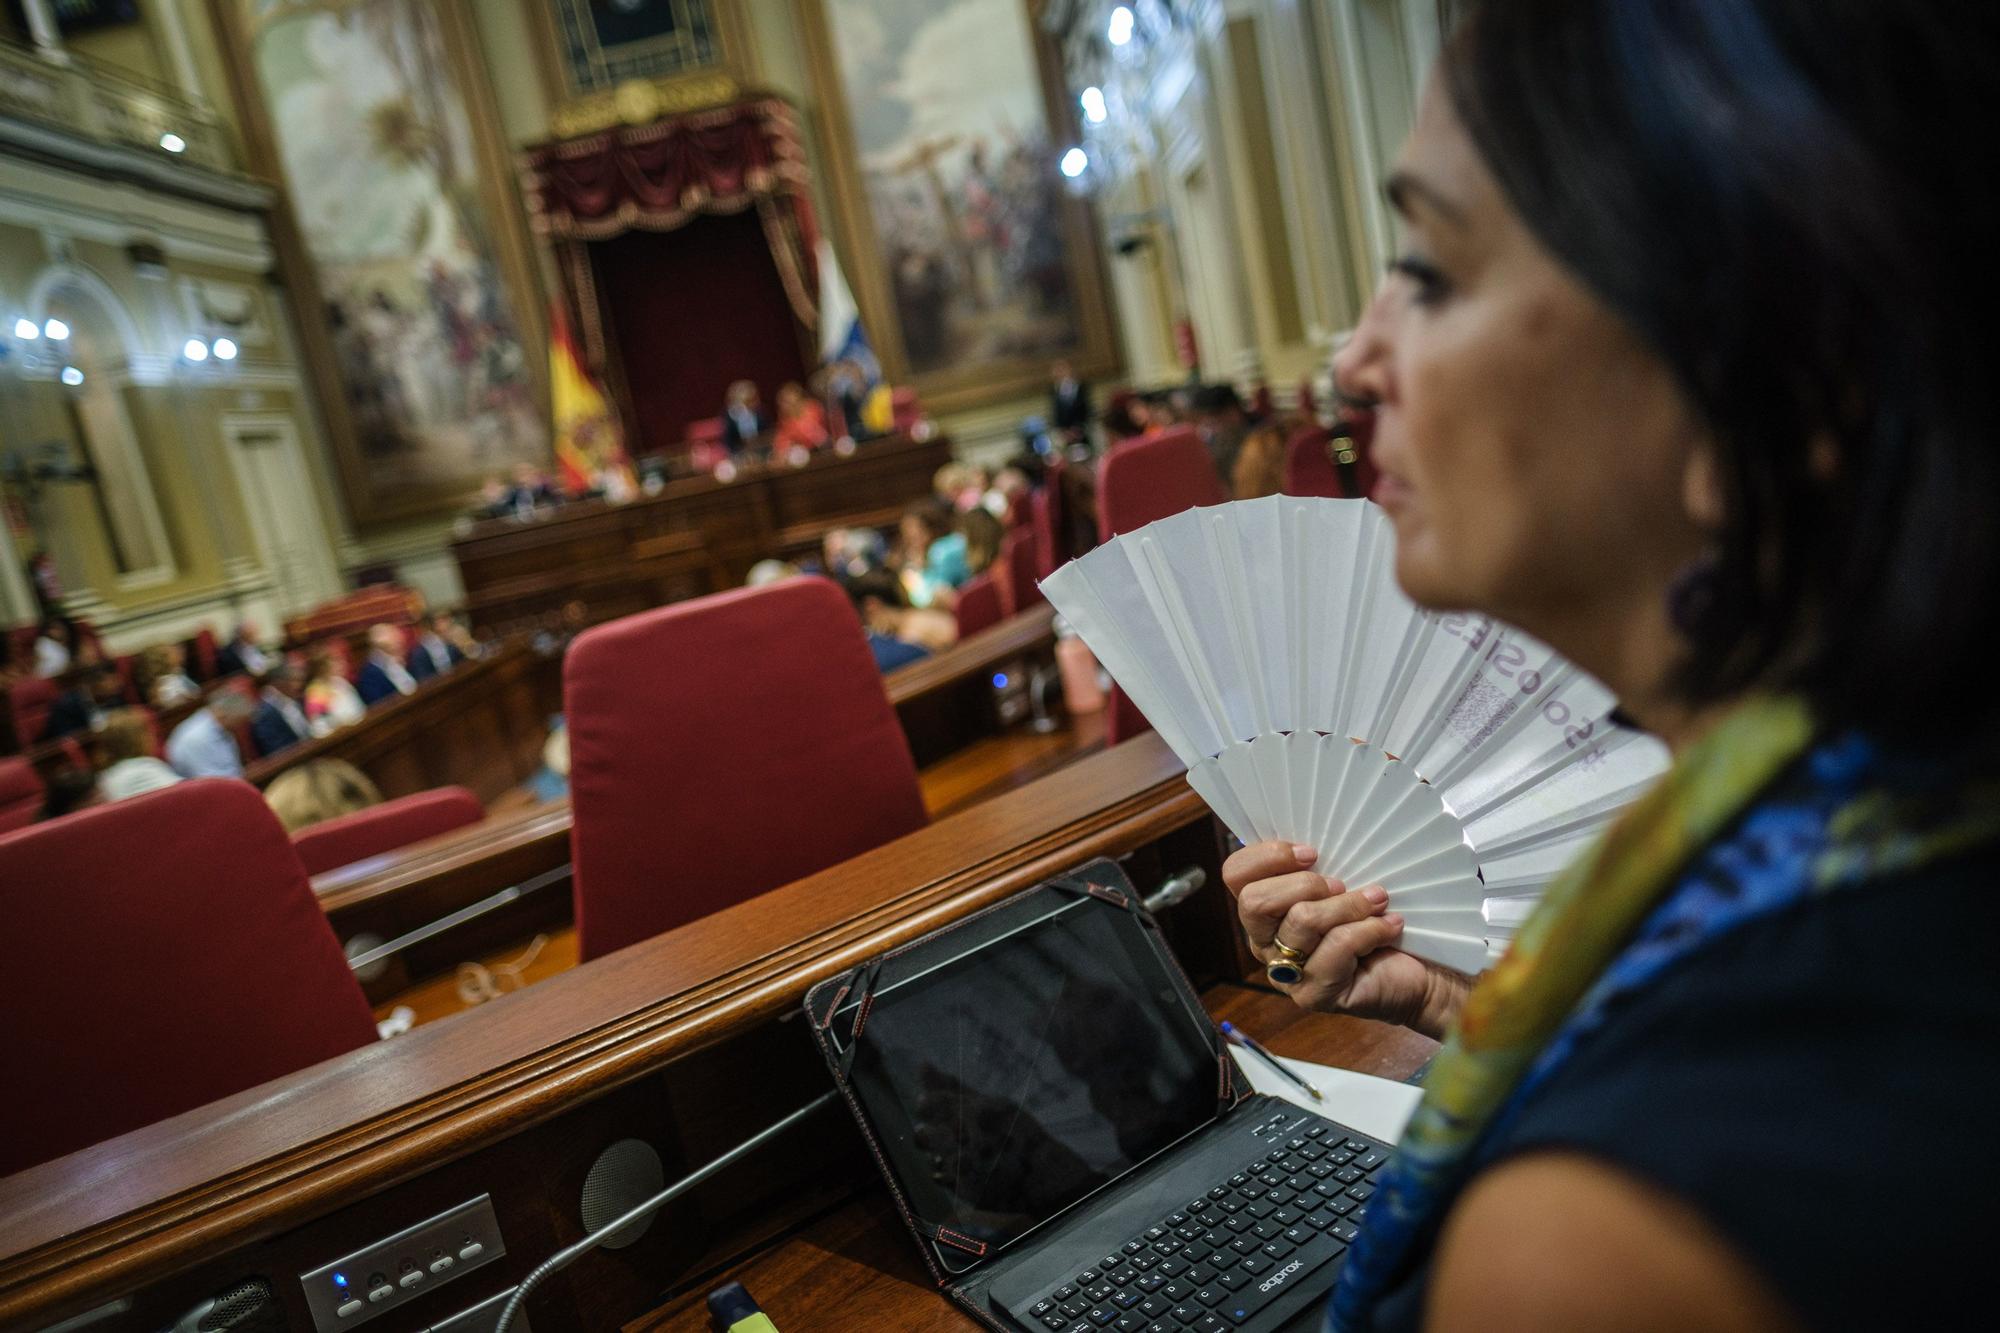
(1455, 761)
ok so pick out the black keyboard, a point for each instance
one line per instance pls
(1218, 1260)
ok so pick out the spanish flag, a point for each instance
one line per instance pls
(589, 447)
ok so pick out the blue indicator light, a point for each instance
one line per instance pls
(339, 1279)
(1000, 681)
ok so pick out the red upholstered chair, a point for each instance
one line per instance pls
(128, 677)
(1308, 401)
(1140, 482)
(385, 827)
(20, 794)
(170, 953)
(1310, 468)
(906, 410)
(1143, 480)
(1018, 573)
(980, 605)
(722, 747)
(202, 654)
(30, 700)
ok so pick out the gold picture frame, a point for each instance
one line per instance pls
(575, 111)
(370, 504)
(1095, 351)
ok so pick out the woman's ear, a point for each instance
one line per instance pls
(1701, 488)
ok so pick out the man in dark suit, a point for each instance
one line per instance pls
(242, 655)
(1069, 404)
(78, 709)
(385, 675)
(435, 653)
(279, 722)
(743, 421)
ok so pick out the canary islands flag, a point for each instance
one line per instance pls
(841, 337)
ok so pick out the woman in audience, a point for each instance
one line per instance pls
(898, 633)
(163, 678)
(932, 556)
(316, 792)
(801, 421)
(983, 535)
(130, 767)
(1683, 372)
(1260, 463)
(331, 701)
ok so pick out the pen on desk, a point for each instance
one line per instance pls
(1251, 1045)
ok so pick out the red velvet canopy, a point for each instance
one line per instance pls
(660, 177)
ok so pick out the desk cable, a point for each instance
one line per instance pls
(563, 1258)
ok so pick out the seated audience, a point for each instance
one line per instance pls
(316, 792)
(801, 421)
(959, 486)
(1127, 418)
(241, 655)
(80, 709)
(438, 648)
(163, 678)
(1218, 417)
(932, 557)
(130, 767)
(770, 571)
(385, 674)
(204, 745)
(66, 789)
(280, 721)
(330, 699)
(1260, 463)
(897, 633)
(847, 394)
(743, 418)
(851, 552)
(983, 534)
(550, 782)
(54, 642)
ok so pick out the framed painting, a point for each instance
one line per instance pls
(406, 251)
(609, 62)
(974, 267)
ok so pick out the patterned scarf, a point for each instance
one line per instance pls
(1713, 846)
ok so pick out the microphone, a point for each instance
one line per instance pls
(248, 1307)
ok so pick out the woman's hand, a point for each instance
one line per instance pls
(1352, 964)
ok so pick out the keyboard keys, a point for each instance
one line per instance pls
(1099, 1292)
(1209, 1324)
(1064, 1292)
(1265, 1230)
(1363, 1191)
(1125, 1300)
(1153, 1307)
(1255, 1265)
(1176, 1219)
(1298, 1235)
(1344, 1230)
(1186, 1314)
(1153, 1282)
(1176, 1292)
(1100, 1315)
(1130, 1323)
(1086, 1277)
(1200, 1277)
(1371, 1159)
(1277, 1249)
(1211, 1297)
(1054, 1321)
(1076, 1306)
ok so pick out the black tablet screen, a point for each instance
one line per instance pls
(1018, 1079)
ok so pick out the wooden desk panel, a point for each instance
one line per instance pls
(180, 1200)
(480, 726)
(697, 535)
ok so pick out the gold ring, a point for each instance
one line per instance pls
(1287, 969)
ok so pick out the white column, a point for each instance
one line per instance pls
(172, 27)
(42, 29)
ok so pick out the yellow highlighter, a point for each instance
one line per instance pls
(734, 1311)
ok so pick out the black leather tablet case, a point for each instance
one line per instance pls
(837, 1009)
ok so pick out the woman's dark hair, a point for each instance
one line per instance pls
(1793, 203)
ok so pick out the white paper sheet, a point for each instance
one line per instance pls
(1378, 1107)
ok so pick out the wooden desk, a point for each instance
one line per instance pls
(859, 1258)
(697, 535)
(682, 1039)
(946, 705)
(482, 725)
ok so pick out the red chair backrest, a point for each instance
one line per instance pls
(385, 827)
(1311, 470)
(1018, 573)
(1141, 482)
(171, 953)
(722, 747)
(905, 408)
(202, 653)
(1308, 402)
(30, 700)
(709, 430)
(128, 677)
(1045, 510)
(21, 794)
(980, 605)
(1144, 480)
